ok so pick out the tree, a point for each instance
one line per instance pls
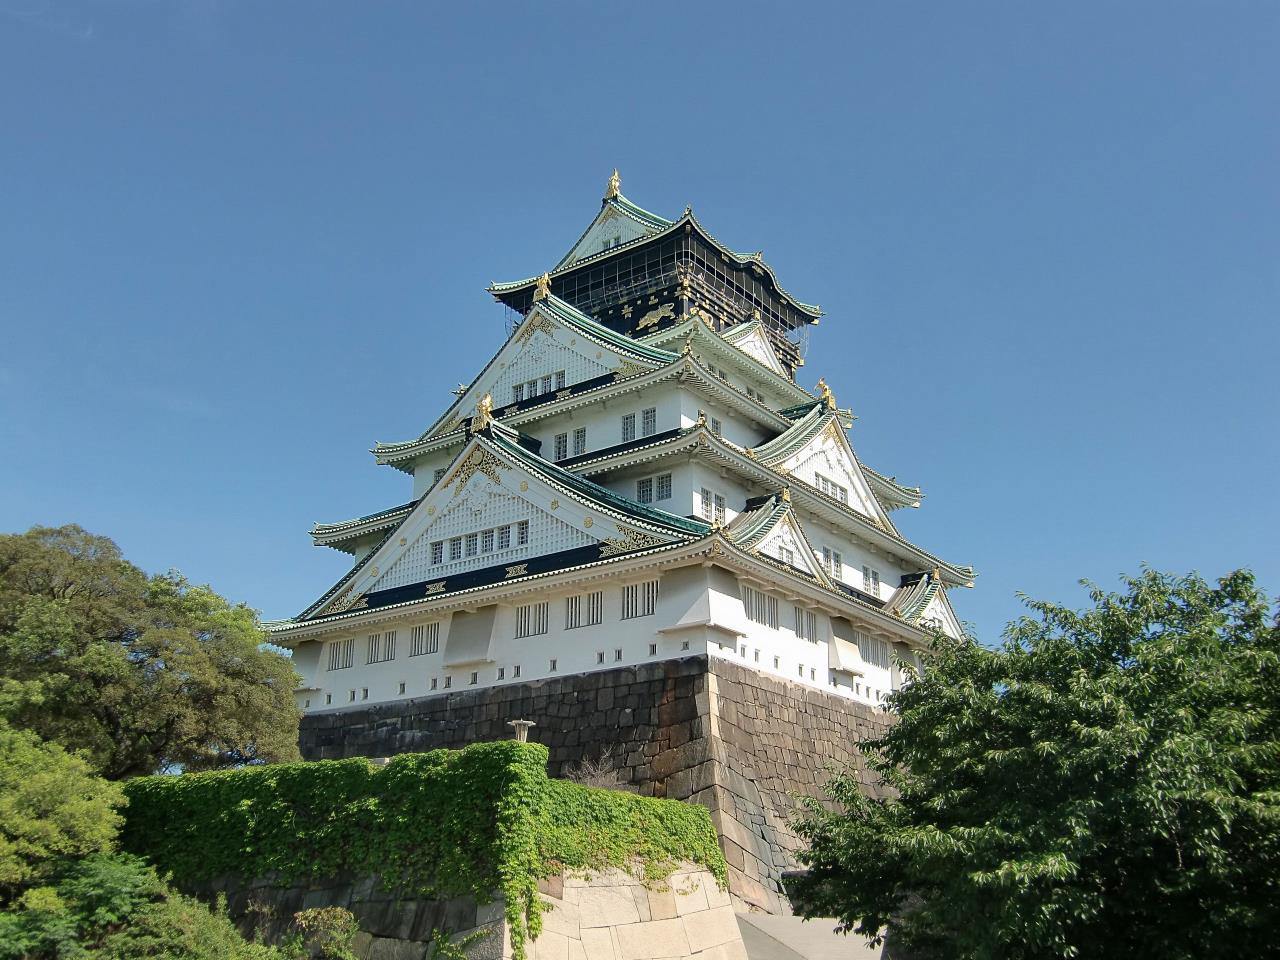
(140, 673)
(52, 807)
(1107, 783)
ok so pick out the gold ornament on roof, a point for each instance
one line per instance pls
(786, 494)
(825, 394)
(484, 413)
(628, 541)
(614, 187)
(543, 289)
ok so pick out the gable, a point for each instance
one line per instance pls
(787, 536)
(545, 351)
(611, 228)
(939, 610)
(756, 345)
(490, 511)
(826, 459)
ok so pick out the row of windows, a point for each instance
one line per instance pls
(833, 562)
(649, 489)
(583, 610)
(760, 607)
(481, 542)
(832, 489)
(648, 424)
(531, 619)
(538, 386)
(587, 609)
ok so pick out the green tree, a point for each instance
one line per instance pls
(1107, 783)
(52, 807)
(141, 673)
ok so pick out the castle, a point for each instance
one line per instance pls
(635, 483)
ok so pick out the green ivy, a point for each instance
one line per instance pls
(441, 824)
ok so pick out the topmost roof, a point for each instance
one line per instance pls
(621, 223)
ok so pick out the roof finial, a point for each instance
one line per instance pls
(786, 494)
(702, 418)
(825, 394)
(484, 413)
(543, 289)
(615, 186)
(937, 574)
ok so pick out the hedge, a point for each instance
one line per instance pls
(447, 823)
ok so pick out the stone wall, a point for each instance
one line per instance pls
(608, 916)
(701, 729)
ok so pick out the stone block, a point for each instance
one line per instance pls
(561, 917)
(550, 946)
(690, 897)
(710, 928)
(597, 942)
(662, 903)
(653, 940)
(390, 948)
(607, 907)
(732, 950)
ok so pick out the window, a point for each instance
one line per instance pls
(342, 653)
(522, 533)
(579, 441)
(546, 383)
(599, 656)
(382, 647)
(502, 673)
(486, 541)
(562, 446)
(760, 607)
(801, 670)
(517, 393)
(664, 487)
(874, 651)
(475, 678)
(423, 639)
(719, 508)
(455, 548)
(531, 619)
(628, 427)
(706, 503)
(438, 475)
(351, 696)
(648, 421)
(787, 556)
(433, 683)
(777, 662)
(437, 553)
(832, 489)
(306, 704)
(684, 644)
(504, 537)
(806, 625)
(402, 688)
(515, 671)
(617, 654)
(871, 581)
(639, 599)
(717, 427)
(756, 656)
(644, 490)
(551, 668)
(742, 651)
(560, 380)
(813, 673)
(583, 610)
(448, 682)
(328, 699)
(653, 649)
(473, 544)
(834, 563)
(531, 389)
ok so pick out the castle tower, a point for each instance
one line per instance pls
(635, 478)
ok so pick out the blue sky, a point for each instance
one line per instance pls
(240, 242)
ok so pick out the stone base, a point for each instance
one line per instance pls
(735, 740)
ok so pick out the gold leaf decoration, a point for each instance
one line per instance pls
(479, 460)
(517, 570)
(437, 587)
(665, 312)
(629, 369)
(628, 541)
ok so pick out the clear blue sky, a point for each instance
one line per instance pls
(240, 242)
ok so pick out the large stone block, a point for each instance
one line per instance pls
(654, 940)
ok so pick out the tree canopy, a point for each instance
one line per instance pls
(141, 673)
(1106, 783)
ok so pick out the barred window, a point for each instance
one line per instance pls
(381, 647)
(664, 486)
(424, 639)
(486, 541)
(448, 682)
(560, 379)
(502, 673)
(473, 544)
(648, 421)
(644, 490)
(515, 671)
(531, 389)
(437, 553)
(522, 533)
(787, 556)
(552, 664)
(475, 678)
(871, 581)
(760, 607)
(834, 563)
(504, 537)
(873, 650)
(583, 610)
(562, 446)
(832, 489)
(342, 653)
(706, 503)
(455, 548)
(546, 383)
(517, 393)
(719, 508)
(628, 427)
(639, 599)
(579, 441)
(717, 427)
(806, 625)
(531, 619)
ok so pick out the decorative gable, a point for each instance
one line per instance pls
(611, 228)
(754, 343)
(770, 529)
(826, 461)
